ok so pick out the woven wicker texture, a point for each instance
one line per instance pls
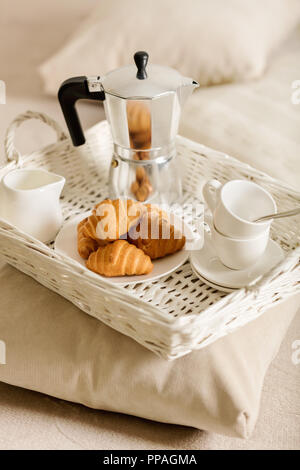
(173, 315)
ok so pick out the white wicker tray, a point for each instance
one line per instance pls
(173, 315)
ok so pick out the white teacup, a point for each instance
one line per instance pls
(30, 201)
(236, 204)
(239, 253)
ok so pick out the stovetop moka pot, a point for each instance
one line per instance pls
(143, 106)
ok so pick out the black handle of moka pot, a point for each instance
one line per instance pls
(141, 60)
(71, 90)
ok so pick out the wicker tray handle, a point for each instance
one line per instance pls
(11, 153)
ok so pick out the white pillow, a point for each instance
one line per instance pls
(211, 41)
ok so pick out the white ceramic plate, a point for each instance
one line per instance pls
(66, 244)
(207, 265)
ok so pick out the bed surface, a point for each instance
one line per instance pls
(255, 122)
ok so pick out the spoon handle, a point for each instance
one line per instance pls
(279, 215)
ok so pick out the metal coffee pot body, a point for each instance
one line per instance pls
(143, 105)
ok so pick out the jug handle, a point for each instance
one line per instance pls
(71, 90)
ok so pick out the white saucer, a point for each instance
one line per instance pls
(209, 268)
(66, 244)
(211, 284)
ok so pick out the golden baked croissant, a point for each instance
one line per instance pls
(148, 227)
(154, 211)
(151, 216)
(89, 230)
(157, 238)
(158, 248)
(119, 258)
(85, 245)
(110, 220)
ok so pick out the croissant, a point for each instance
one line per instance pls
(150, 218)
(111, 220)
(119, 258)
(89, 230)
(158, 238)
(154, 212)
(85, 245)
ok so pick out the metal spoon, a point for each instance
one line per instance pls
(278, 215)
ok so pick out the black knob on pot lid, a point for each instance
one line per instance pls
(141, 60)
